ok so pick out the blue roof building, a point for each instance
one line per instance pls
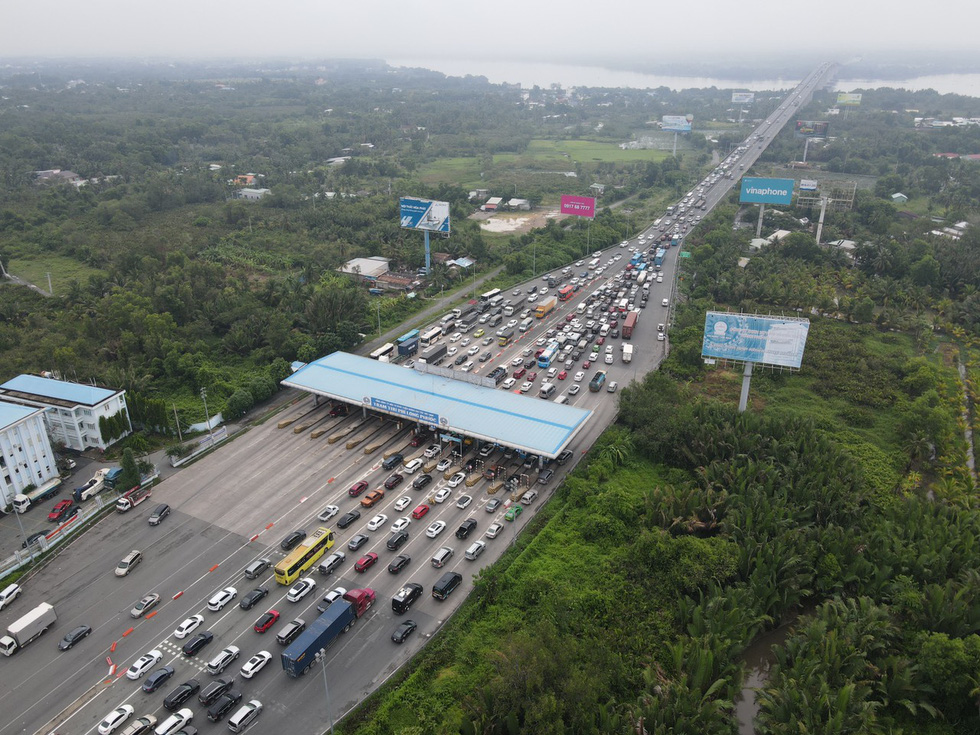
(26, 456)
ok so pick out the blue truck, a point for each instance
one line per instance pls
(301, 654)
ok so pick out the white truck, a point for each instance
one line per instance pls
(25, 501)
(93, 487)
(627, 352)
(26, 629)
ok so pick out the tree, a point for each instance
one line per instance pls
(130, 476)
(864, 310)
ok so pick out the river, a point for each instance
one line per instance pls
(758, 658)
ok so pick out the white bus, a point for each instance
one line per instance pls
(384, 353)
(430, 335)
(484, 298)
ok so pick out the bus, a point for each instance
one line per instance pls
(496, 301)
(623, 306)
(384, 353)
(407, 337)
(504, 339)
(595, 385)
(566, 292)
(550, 353)
(430, 336)
(304, 556)
(485, 298)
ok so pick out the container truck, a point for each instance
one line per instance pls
(93, 487)
(546, 307)
(435, 354)
(301, 654)
(26, 629)
(629, 324)
(23, 502)
(409, 347)
(627, 353)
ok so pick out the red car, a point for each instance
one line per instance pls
(519, 373)
(419, 439)
(601, 341)
(420, 511)
(587, 364)
(366, 562)
(357, 488)
(59, 510)
(613, 323)
(562, 375)
(266, 621)
(569, 317)
(394, 481)
(531, 377)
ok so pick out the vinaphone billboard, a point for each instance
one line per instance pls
(766, 191)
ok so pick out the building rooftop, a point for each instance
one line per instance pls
(519, 421)
(11, 413)
(367, 267)
(48, 390)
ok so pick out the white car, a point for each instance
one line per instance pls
(511, 324)
(443, 494)
(660, 336)
(517, 361)
(464, 500)
(660, 279)
(301, 589)
(401, 524)
(543, 292)
(541, 341)
(452, 351)
(377, 522)
(457, 479)
(609, 349)
(473, 350)
(414, 466)
(578, 376)
(456, 337)
(220, 599)
(508, 384)
(329, 512)
(188, 626)
(465, 342)
(573, 389)
(255, 664)
(444, 464)
(494, 530)
(403, 502)
(176, 721)
(664, 302)
(435, 529)
(552, 372)
(143, 664)
(532, 298)
(467, 367)
(432, 451)
(609, 359)
(115, 718)
(525, 387)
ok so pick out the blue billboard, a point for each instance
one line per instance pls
(423, 417)
(766, 191)
(424, 214)
(676, 123)
(760, 339)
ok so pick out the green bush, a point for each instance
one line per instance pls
(238, 405)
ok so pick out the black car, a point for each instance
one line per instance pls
(357, 542)
(545, 477)
(563, 457)
(399, 562)
(405, 597)
(34, 538)
(466, 528)
(486, 356)
(614, 333)
(530, 460)
(289, 543)
(73, 636)
(404, 630)
(198, 642)
(161, 512)
(348, 518)
(396, 541)
(181, 694)
(460, 360)
(421, 481)
(157, 679)
(223, 705)
(214, 690)
(252, 598)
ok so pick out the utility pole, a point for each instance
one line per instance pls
(204, 397)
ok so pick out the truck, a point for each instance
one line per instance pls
(658, 258)
(627, 353)
(435, 354)
(134, 497)
(409, 347)
(91, 488)
(629, 324)
(545, 307)
(23, 502)
(641, 278)
(301, 654)
(112, 476)
(27, 628)
(515, 305)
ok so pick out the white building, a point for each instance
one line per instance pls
(74, 408)
(26, 457)
(252, 195)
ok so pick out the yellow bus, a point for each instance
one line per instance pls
(304, 556)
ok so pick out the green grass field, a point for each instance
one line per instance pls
(63, 270)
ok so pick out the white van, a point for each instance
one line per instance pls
(582, 307)
(547, 390)
(604, 330)
(526, 324)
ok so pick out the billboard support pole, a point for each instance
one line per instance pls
(823, 211)
(675, 144)
(743, 399)
(806, 147)
(428, 260)
(758, 227)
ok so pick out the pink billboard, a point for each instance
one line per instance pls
(579, 206)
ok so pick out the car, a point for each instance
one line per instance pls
(195, 644)
(455, 336)
(613, 385)
(493, 504)
(348, 518)
(181, 694)
(377, 522)
(579, 376)
(404, 630)
(508, 383)
(374, 497)
(564, 457)
(115, 718)
(394, 481)
(224, 705)
(464, 500)
(488, 340)
(290, 631)
(266, 620)
(602, 341)
(660, 336)
(157, 679)
(457, 479)
(255, 664)
(459, 360)
(140, 726)
(420, 511)
(479, 333)
(253, 598)
(519, 373)
(34, 538)
(245, 715)
(143, 664)
(327, 513)
(510, 325)
(332, 562)
(444, 464)
(73, 636)
(357, 488)
(608, 360)
(466, 528)
(545, 477)
(452, 351)
(357, 541)
(145, 604)
(301, 589)
(664, 302)
(188, 626)
(442, 495)
(401, 524)
(406, 500)
(526, 386)
(473, 350)
(60, 510)
(418, 483)
(435, 529)
(292, 540)
(399, 562)
(494, 530)
(513, 512)
(173, 723)
(331, 597)
(209, 695)
(158, 514)
(432, 451)
(396, 540)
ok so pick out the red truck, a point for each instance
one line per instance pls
(629, 323)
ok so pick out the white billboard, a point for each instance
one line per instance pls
(774, 341)
(808, 184)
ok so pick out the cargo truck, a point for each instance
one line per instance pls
(629, 324)
(435, 354)
(627, 353)
(93, 487)
(26, 629)
(23, 502)
(112, 476)
(515, 305)
(301, 654)
(409, 347)
(134, 497)
(546, 307)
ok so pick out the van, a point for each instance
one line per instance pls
(127, 563)
(245, 716)
(562, 399)
(161, 512)
(256, 568)
(581, 307)
(547, 390)
(526, 324)
(446, 584)
(476, 548)
(391, 461)
(441, 557)
(604, 330)
(495, 320)
(9, 594)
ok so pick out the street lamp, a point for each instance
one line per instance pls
(204, 397)
(326, 689)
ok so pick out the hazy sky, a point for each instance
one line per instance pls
(577, 31)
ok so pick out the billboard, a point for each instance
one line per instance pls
(808, 184)
(766, 191)
(766, 340)
(743, 98)
(424, 214)
(812, 128)
(677, 123)
(847, 99)
(579, 206)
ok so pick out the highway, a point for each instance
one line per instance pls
(236, 504)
